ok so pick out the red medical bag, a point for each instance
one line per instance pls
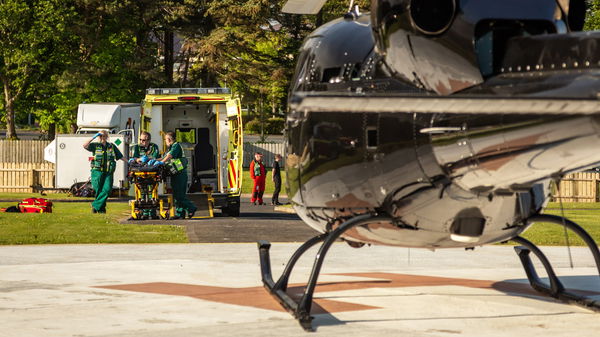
(35, 205)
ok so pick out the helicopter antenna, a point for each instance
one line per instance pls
(353, 11)
(562, 211)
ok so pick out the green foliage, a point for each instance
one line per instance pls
(56, 54)
(250, 54)
(32, 35)
(272, 126)
(252, 126)
(113, 58)
(275, 126)
(592, 20)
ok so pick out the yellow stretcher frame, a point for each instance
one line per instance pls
(165, 211)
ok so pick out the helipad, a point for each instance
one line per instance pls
(215, 290)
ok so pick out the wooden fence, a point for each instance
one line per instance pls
(578, 187)
(25, 177)
(22, 169)
(22, 151)
(269, 150)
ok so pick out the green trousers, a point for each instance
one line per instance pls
(182, 203)
(102, 183)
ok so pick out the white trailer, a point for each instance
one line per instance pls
(113, 117)
(73, 162)
(121, 120)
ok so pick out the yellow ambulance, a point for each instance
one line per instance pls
(208, 124)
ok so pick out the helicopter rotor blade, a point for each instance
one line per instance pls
(303, 6)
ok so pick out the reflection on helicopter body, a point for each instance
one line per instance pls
(439, 124)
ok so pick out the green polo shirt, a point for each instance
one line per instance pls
(151, 151)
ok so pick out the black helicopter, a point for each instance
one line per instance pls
(439, 124)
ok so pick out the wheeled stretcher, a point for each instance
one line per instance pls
(147, 204)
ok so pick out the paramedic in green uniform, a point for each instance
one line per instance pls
(145, 148)
(103, 167)
(175, 155)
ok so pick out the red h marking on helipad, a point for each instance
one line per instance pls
(258, 297)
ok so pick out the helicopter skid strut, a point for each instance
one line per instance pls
(555, 288)
(300, 309)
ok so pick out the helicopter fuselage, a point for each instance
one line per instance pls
(458, 150)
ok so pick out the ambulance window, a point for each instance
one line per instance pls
(185, 135)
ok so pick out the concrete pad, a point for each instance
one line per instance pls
(215, 290)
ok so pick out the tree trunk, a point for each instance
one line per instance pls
(169, 57)
(186, 68)
(11, 131)
(73, 128)
(262, 121)
(52, 131)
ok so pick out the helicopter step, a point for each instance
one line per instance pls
(555, 288)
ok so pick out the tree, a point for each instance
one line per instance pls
(114, 58)
(592, 20)
(253, 48)
(30, 47)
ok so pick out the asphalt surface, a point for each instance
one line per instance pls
(260, 222)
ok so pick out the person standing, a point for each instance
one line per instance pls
(276, 176)
(103, 165)
(145, 148)
(177, 159)
(258, 175)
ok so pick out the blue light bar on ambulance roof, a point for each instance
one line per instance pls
(179, 91)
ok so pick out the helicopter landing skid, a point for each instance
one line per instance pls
(555, 288)
(300, 309)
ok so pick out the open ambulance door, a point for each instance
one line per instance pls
(234, 155)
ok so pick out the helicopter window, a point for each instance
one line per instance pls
(330, 73)
(355, 71)
(492, 38)
(372, 139)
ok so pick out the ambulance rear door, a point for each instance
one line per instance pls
(234, 154)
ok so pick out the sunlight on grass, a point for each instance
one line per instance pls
(73, 222)
(247, 182)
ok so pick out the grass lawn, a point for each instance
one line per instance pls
(73, 222)
(247, 182)
(587, 215)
